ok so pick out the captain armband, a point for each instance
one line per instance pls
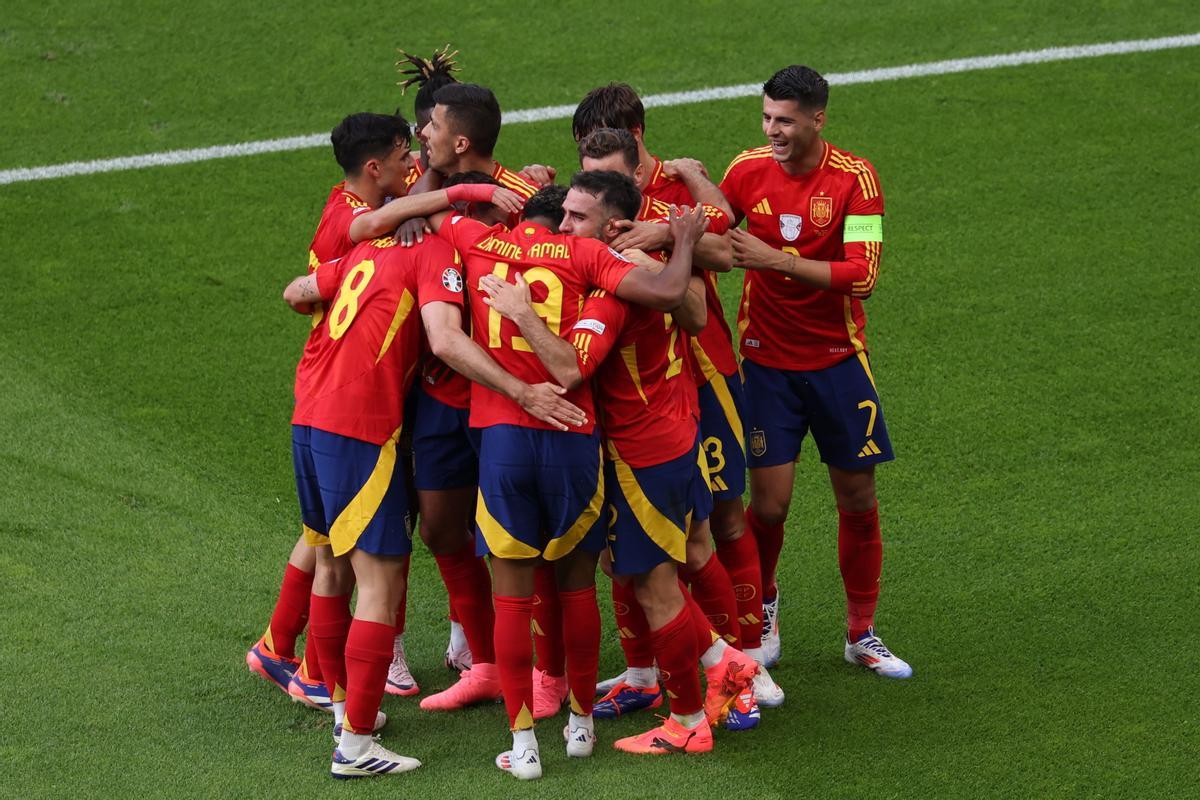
(860, 228)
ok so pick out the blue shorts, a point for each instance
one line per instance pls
(721, 414)
(540, 493)
(839, 404)
(352, 493)
(650, 510)
(445, 448)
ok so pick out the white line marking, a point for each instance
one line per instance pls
(172, 157)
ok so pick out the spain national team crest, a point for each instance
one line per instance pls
(820, 211)
(789, 226)
(758, 442)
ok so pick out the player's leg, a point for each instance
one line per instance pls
(709, 582)
(850, 431)
(550, 666)
(446, 469)
(273, 656)
(651, 512)
(571, 496)
(470, 588)
(508, 528)
(777, 422)
(686, 729)
(366, 492)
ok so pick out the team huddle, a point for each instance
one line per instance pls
(542, 374)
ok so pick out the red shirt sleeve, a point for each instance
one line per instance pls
(595, 333)
(602, 266)
(329, 277)
(729, 188)
(439, 275)
(856, 272)
(718, 220)
(464, 233)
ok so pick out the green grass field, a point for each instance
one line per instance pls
(1032, 333)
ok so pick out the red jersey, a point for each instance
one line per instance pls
(413, 174)
(359, 361)
(560, 270)
(644, 386)
(712, 349)
(441, 382)
(830, 213)
(332, 239)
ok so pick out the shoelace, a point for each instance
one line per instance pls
(873, 644)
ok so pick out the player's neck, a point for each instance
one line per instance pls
(809, 161)
(366, 190)
(647, 162)
(473, 162)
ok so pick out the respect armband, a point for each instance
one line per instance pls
(863, 228)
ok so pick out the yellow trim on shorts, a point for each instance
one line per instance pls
(500, 542)
(662, 531)
(314, 538)
(866, 365)
(562, 545)
(358, 513)
(725, 398)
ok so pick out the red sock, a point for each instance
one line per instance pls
(329, 627)
(632, 627)
(860, 556)
(770, 545)
(547, 623)
(368, 656)
(453, 615)
(702, 629)
(402, 610)
(514, 658)
(581, 640)
(714, 592)
(740, 558)
(675, 647)
(291, 612)
(470, 588)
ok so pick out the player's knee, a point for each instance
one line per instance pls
(698, 554)
(854, 491)
(728, 520)
(770, 512)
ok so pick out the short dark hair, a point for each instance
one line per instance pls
(603, 142)
(802, 84)
(360, 137)
(474, 176)
(473, 112)
(547, 204)
(613, 189)
(616, 105)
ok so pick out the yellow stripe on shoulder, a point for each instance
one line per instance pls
(747, 155)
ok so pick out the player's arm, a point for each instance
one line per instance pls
(539, 175)
(306, 290)
(665, 291)
(513, 301)
(692, 314)
(388, 217)
(443, 329)
(695, 177)
(712, 252)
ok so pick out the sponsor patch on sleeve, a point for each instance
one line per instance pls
(452, 279)
(593, 325)
(863, 228)
(618, 255)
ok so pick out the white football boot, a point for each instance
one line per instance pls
(870, 652)
(378, 760)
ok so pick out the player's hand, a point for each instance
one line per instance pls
(507, 200)
(646, 262)
(678, 167)
(687, 223)
(750, 252)
(644, 236)
(510, 300)
(539, 174)
(412, 231)
(544, 401)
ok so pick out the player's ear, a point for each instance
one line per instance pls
(819, 119)
(637, 134)
(371, 168)
(461, 144)
(639, 173)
